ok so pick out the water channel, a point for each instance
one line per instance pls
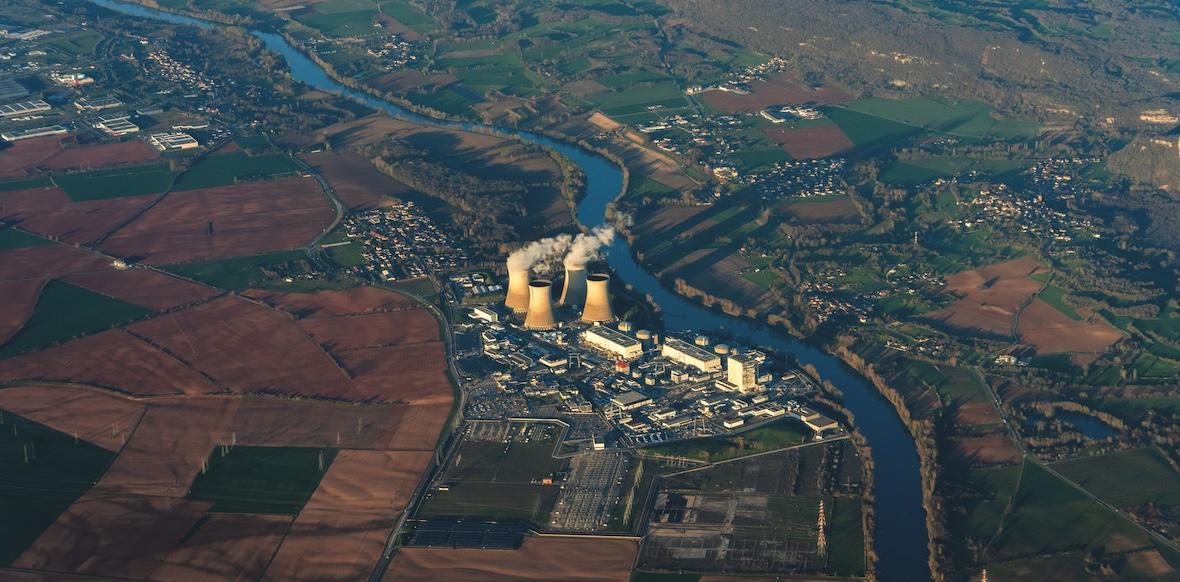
(900, 536)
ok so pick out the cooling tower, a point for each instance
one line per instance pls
(574, 291)
(518, 290)
(597, 299)
(540, 315)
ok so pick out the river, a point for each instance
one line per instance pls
(900, 538)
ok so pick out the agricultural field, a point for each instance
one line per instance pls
(38, 459)
(261, 479)
(65, 311)
(233, 168)
(116, 183)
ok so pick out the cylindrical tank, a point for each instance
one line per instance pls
(625, 326)
(643, 334)
(721, 349)
(701, 340)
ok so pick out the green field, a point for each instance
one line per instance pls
(1106, 476)
(409, 15)
(10, 238)
(64, 311)
(261, 479)
(58, 471)
(38, 182)
(1049, 515)
(1134, 408)
(76, 43)
(116, 183)
(239, 272)
(775, 435)
(878, 122)
(226, 169)
(846, 546)
(446, 100)
(1055, 296)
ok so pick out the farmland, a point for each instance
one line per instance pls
(261, 479)
(45, 471)
(65, 311)
(116, 183)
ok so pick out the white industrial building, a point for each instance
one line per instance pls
(741, 372)
(34, 132)
(685, 353)
(614, 342)
(25, 108)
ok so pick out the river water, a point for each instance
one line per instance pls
(900, 536)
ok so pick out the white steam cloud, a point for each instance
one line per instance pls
(573, 250)
(587, 246)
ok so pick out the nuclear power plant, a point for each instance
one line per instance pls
(587, 294)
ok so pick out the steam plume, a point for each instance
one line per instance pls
(576, 250)
(587, 246)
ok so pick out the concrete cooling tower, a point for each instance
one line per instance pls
(518, 290)
(540, 313)
(573, 293)
(597, 299)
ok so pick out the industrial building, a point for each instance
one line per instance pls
(97, 104)
(614, 342)
(34, 132)
(171, 142)
(70, 79)
(118, 127)
(685, 353)
(630, 400)
(741, 372)
(24, 108)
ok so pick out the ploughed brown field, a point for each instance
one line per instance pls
(990, 297)
(50, 212)
(354, 180)
(151, 289)
(779, 90)
(113, 359)
(26, 157)
(823, 210)
(993, 449)
(228, 221)
(1051, 331)
(803, 143)
(20, 297)
(539, 558)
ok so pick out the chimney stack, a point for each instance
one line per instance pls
(540, 313)
(573, 293)
(518, 290)
(597, 299)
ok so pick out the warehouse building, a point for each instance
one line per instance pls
(10, 89)
(25, 108)
(34, 132)
(685, 353)
(614, 342)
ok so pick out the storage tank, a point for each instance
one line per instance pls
(625, 326)
(643, 335)
(701, 340)
(721, 349)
